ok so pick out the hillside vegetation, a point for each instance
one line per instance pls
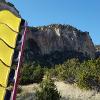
(85, 74)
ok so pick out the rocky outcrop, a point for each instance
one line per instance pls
(97, 50)
(61, 38)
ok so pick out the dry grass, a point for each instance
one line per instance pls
(71, 92)
(27, 92)
(67, 91)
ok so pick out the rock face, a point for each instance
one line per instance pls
(61, 38)
(97, 50)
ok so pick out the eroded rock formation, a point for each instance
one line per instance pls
(61, 38)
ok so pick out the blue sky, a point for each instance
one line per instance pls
(82, 14)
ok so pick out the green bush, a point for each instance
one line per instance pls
(85, 74)
(67, 71)
(89, 82)
(32, 74)
(88, 75)
(48, 90)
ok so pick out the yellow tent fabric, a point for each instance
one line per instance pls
(4, 74)
(8, 35)
(10, 19)
(6, 53)
(9, 28)
(2, 93)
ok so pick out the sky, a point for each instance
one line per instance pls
(82, 14)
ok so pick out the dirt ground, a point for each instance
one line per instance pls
(67, 91)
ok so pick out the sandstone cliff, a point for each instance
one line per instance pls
(97, 50)
(60, 38)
